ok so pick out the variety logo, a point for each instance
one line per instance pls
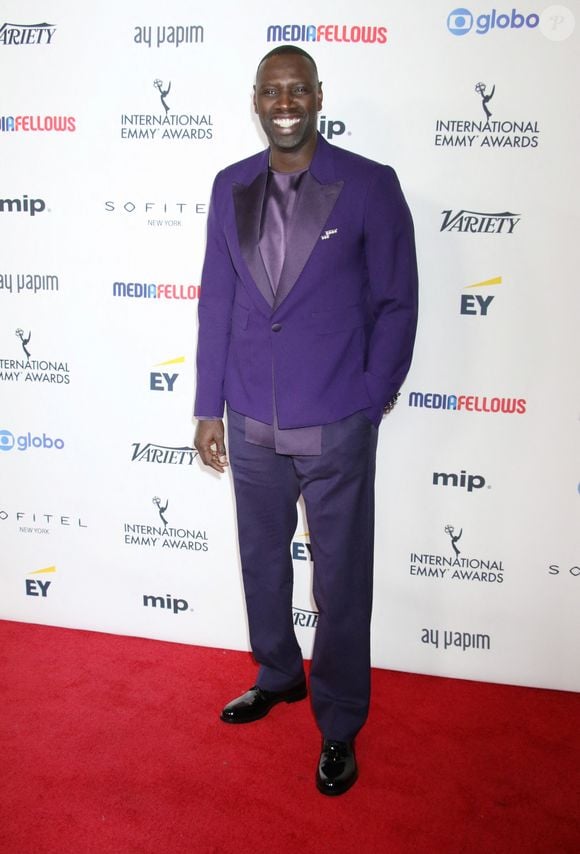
(487, 133)
(456, 567)
(164, 454)
(30, 370)
(166, 603)
(24, 34)
(164, 535)
(449, 639)
(174, 36)
(468, 403)
(327, 33)
(138, 290)
(33, 522)
(37, 586)
(166, 125)
(172, 212)
(37, 123)
(31, 283)
(306, 619)
(475, 303)
(461, 21)
(461, 480)
(162, 381)
(23, 205)
(556, 569)
(25, 441)
(478, 222)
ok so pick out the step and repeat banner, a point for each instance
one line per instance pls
(114, 121)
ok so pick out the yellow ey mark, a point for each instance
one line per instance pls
(177, 361)
(44, 571)
(487, 283)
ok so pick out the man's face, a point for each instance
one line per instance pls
(287, 96)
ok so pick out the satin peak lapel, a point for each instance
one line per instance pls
(313, 206)
(248, 202)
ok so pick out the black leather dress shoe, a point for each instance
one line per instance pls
(337, 769)
(256, 703)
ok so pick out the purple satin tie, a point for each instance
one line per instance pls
(281, 191)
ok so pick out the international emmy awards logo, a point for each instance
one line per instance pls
(450, 531)
(163, 93)
(161, 510)
(24, 341)
(485, 99)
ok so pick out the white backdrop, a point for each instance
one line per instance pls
(107, 520)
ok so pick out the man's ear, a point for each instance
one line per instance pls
(254, 101)
(319, 99)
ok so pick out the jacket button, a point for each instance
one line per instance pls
(276, 327)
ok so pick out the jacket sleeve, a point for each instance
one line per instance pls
(392, 270)
(215, 311)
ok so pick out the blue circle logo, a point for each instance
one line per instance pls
(459, 22)
(6, 440)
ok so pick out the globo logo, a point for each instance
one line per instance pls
(461, 21)
(28, 440)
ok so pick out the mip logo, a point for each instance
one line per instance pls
(461, 21)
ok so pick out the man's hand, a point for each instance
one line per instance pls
(210, 444)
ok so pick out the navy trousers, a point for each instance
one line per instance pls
(338, 491)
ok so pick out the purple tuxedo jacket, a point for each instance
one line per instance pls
(337, 337)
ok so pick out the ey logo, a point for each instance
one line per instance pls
(37, 586)
(476, 303)
(162, 381)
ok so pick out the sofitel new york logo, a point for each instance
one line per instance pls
(34, 522)
(164, 535)
(488, 132)
(455, 567)
(31, 370)
(166, 124)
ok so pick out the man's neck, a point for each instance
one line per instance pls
(293, 161)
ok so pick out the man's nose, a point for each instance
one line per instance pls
(285, 99)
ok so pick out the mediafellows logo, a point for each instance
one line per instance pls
(488, 132)
(28, 283)
(26, 34)
(479, 222)
(166, 124)
(37, 123)
(455, 565)
(339, 33)
(461, 21)
(26, 441)
(468, 403)
(171, 36)
(151, 291)
(30, 370)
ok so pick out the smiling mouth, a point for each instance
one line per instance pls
(285, 123)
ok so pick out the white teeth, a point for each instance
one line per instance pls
(285, 123)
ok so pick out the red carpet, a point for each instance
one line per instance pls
(113, 744)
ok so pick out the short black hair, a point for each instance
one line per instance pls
(287, 48)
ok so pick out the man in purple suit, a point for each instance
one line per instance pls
(307, 320)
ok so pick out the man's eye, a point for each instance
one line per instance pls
(269, 92)
(300, 90)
